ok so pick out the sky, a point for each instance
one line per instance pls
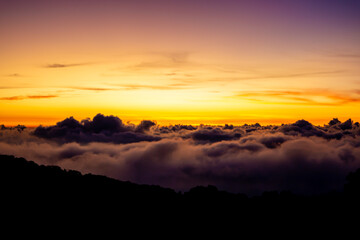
(187, 62)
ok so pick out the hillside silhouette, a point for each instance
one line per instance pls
(30, 189)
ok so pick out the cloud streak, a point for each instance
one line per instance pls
(17, 98)
(61, 65)
(96, 89)
(14, 75)
(174, 86)
(291, 75)
(131, 87)
(168, 60)
(302, 97)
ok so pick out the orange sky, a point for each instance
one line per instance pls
(179, 61)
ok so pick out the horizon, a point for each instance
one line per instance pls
(173, 123)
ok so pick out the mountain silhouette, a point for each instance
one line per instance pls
(29, 189)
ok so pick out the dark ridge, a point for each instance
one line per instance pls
(24, 178)
(29, 189)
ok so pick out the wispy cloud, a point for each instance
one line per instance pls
(129, 87)
(301, 97)
(157, 64)
(13, 75)
(357, 56)
(96, 89)
(251, 77)
(61, 65)
(291, 75)
(343, 55)
(175, 86)
(168, 60)
(7, 87)
(16, 98)
(175, 57)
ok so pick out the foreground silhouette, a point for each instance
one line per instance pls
(28, 190)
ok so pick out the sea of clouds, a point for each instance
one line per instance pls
(250, 159)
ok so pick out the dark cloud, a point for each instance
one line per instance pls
(301, 127)
(299, 157)
(273, 141)
(100, 129)
(306, 129)
(19, 127)
(145, 126)
(221, 149)
(175, 130)
(228, 126)
(179, 127)
(108, 124)
(347, 124)
(334, 121)
(209, 135)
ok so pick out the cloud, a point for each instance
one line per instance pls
(16, 98)
(177, 57)
(302, 97)
(60, 65)
(204, 135)
(354, 56)
(251, 159)
(9, 87)
(174, 86)
(291, 75)
(176, 128)
(144, 126)
(236, 75)
(301, 165)
(19, 127)
(302, 127)
(100, 129)
(130, 87)
(14, 75)
(273, 141)
(96, 89)
(306, 129)
(168, 60)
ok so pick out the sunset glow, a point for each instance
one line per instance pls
(187, 62)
